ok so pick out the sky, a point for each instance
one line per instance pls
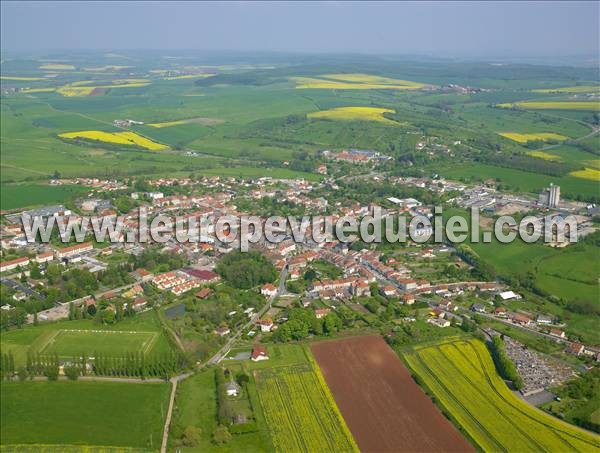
(431, 28)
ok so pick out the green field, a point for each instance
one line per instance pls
(462, 377)
(83, 413)
(200, 391)
(248, 121)
(15, 196)
(519, 180)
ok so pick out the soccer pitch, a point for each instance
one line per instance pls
(69, 343)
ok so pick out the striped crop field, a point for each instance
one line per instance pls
(536, 136)
(553, 105)
(300, 410)
(355, 82)
(463, 378)
(543, 155)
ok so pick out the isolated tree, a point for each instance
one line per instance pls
(191, 436)
(221, 435)
(243, 379)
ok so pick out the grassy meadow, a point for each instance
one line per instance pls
(82, 413)
(21, 195)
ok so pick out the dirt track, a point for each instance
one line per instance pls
(383, 407)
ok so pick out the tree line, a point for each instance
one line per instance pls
(506, 367)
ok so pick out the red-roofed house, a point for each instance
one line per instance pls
(322, 312)
(557, 333)
(268, 290)
(408, 299)
(266, 324)
(576, 349)
(259, 352)
(204, 293)
(13, 264)
(139, 303)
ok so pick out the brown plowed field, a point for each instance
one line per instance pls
(383, 407)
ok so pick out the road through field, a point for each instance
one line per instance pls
(384, 408)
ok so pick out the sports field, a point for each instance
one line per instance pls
(82, 413)
(69, 343)
(141, 333)
(463, 378)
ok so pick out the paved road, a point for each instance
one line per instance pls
(527, 329)
(282, 291)
(165, 438)
(227, 346)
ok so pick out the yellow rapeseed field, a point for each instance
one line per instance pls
(57, 67)
(122, 138)
(588, 173)
(354, 82)
(355, 114)
(73, 91)
(575, 89)
(535, 136)
(21, 79)
(553, 105)
(543, 155)
(167, 123)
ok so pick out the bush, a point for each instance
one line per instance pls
(221, 435)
